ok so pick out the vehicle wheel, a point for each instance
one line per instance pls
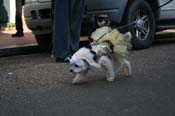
(44, 42)
(143, 30)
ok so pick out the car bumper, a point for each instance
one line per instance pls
(38, 17)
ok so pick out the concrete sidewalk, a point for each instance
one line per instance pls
(13, 46)
(6, 41)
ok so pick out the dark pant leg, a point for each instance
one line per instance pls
(61, 29)
(19, 24)
(77, 12)
(67, 24)
(18, 17)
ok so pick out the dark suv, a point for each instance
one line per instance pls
(141, 17)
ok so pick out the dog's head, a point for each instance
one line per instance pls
(82, 60)
(78, 65)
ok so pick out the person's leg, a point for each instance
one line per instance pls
(77, 12)
(18, 19)
(19, 24)
(61, 27)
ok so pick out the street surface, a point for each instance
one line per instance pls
(34, 85)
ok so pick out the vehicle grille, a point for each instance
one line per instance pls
(42, 14)
(45, 13)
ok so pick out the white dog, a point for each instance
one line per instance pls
(104, 56)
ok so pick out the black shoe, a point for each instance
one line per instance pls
(18, 35)
(67, 59)
(59, 60)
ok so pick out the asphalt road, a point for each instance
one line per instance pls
(34, 85)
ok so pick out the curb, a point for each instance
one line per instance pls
(5, 52)
(161, 35)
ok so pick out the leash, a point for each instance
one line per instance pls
(165, 4)
(127, 25)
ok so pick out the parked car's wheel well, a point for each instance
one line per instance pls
(153, 4)
(126, 10)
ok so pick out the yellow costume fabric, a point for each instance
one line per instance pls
(119, 41)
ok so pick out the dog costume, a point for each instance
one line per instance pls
(118, 43)
(108, 51)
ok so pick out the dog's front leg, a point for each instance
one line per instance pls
(76, 79)
(79, 77)
(105, 62)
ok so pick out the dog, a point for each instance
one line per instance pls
(108, 52)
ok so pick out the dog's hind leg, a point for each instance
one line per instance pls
(127, 68)
(106, 63)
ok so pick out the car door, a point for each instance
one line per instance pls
(167, 11)
(103, 4)
(114, 9)
(44, 0)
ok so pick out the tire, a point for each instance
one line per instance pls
(44, 42)
(143, 30)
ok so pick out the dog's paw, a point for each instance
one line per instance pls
(110, 79)
(127, 72)
(75, 81)
(78, 79)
